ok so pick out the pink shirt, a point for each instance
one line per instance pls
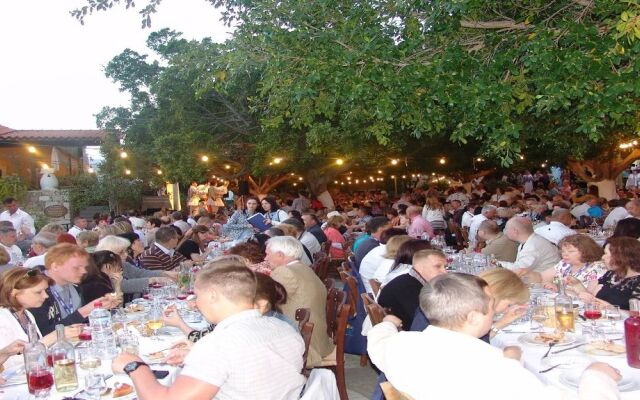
(419, 226)
(337, 242)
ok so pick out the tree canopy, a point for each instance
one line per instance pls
(311, 81)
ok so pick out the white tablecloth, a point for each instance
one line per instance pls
(532, 358)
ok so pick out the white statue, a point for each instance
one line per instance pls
(48, 180)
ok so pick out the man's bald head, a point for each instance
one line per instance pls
(519, 229)
(563, 216)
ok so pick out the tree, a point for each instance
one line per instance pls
(548, 80)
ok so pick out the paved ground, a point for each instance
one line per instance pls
(360, 380)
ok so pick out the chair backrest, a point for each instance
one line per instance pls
(350, 281)
(329, 283)
(321, 266)
(374, 310)
(339, 339)
(306, 330)
(375, 286)
(335, 298)
(302, 316)
(326, 247)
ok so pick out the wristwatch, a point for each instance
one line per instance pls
(495, 330)
(132, 366)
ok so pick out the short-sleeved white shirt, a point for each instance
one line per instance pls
(249, 356)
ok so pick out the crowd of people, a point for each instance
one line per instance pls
(532, 226)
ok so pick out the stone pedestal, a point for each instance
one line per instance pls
(52, 204)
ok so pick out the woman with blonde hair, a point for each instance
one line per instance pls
(433, 212)
(370, 267)
(510, 293)
(332, 232)
(393, 246)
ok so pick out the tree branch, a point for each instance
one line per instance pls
(504, 24)
(622, 165)
(578, 168)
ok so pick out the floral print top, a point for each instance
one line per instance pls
(587, 273)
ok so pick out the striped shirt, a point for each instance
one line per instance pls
(154, 258)
(249, 356)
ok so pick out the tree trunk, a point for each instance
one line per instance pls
(326, 200)
(261, 187)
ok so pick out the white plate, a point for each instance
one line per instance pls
(598, 352)
(529, 338)
(18, 376)
(572, 378)
(567, 361)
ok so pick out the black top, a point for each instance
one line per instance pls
(187, 248)
(316, 231)
(401, 295)
(617, 292)
(48, 315)
(363, 249)
(94, 287)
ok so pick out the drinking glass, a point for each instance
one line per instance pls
(40, 381)
(592, 312)
(539, 316)
(129, 344)
(154, 321)
(93, 386)
(88, 358)
(613, 314)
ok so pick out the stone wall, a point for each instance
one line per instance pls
(49, 206)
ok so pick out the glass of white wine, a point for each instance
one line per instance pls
(539, 316)
(88, 358)
(154, 321)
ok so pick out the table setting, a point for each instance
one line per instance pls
(138, 328)
(559, 355)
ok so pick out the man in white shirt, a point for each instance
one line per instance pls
(79, 225)
(581, 209)
(420, 363)
(558, 227)
(40, 243)
(467, 217)
(488, 212)
(247, 356)
(176, 219)
(535, 253)
(633, 208)
(22, 222)
(306, 238)
(8, 240)
(615, 215)
(633, 181)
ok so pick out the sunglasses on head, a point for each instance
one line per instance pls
(32, 272)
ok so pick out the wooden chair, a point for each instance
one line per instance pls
(391, 393)
(374, 310)
(326, 247)
(375, 286)
(302, 316)
(306, 331)
(350, 281)
(345, 266)
(321, 267)
(337, 317)
(329, 284)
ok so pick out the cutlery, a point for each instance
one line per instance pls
(568, 348)
(551, 344)
(550, 368)
(505, 331)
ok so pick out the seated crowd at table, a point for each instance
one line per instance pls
(541, 234)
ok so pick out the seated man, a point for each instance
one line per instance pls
(247, 355)
(535, 253)
(401, 294)
(559, 226)
(304, 290)
(66, 264)
(497, 244)
(162, 254)
(39, 245)
(460, 310)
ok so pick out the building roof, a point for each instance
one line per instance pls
(87, 137)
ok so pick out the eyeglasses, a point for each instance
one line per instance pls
(32, 272)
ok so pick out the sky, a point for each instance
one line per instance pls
(51, 66)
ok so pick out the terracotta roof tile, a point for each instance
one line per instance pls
(12, 135)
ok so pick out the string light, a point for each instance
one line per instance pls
(90, 170)
(404, 177)
(299, 178)
(339, 161)
(204, 158)
(295, 184)
(442, 160)
(123, 154)
(127, 172)
(394, 162)
(227, 166)
(379, 171)
(277, 160)
(159, 172)
(31, 149)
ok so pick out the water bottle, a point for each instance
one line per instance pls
(102, 332)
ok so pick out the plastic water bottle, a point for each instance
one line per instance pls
(102, 332)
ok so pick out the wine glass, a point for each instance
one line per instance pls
(613, 315)
(539, 316)
(88, 358)
(592, 312)
(154, 321)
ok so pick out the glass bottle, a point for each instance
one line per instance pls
(563, 306)
(632, 334)
(64, 362)
(39, 378)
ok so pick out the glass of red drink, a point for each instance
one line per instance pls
(592, 312)
(39, 381)
(85, 334)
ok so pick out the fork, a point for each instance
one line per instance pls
(551, 344)
(550, 368)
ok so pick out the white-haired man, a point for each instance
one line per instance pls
(460, 309)
(535, 253)
(40, 244)
(304, 290)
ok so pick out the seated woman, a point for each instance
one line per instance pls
(511, 296)
(629, 227)
(402, 262)
(20, 289)
(273, 214)
(194, 244)
(333, 234)
(136, 247)
(252, 252)
(581, 259)
(383, 268)
(238, 227)
(104, 275)
(136, 280)
(622, 280)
